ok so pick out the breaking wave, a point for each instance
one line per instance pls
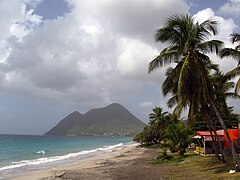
(40, 152)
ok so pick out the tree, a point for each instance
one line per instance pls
(188, 42)
(187, 47)
(166, 129)
(144, 137)
(235, 54)
(179, 137)
(155, 131)
(158, 121)
(222, 89)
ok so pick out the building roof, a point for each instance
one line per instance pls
(207, 136)
(207, 133)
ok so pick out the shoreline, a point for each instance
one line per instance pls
(132, 162)
(126, 153)
(37, 153)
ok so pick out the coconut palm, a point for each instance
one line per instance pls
(188, 42)
(179, 137)
(170, 85)
(155, 131)
(158, 122)
(158, 116)
(222, 86)
(187, 45)
(235, 54)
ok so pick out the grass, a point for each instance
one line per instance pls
(194, 166)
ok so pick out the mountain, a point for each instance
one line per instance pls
(113, 120)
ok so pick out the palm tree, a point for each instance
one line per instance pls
(179, 137)
(144, 137)
(158, 116)
(188, 42)
(158, 122)
(235, 54)
(222, 87)
(170, 85)
(155, 131)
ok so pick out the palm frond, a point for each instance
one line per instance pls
(229, 52)
(166, 56)
(237, 48)
(209, 27)
(170, 83)
(232, 95)
(207, 62)
(172, 101)
(178, 110)
(235, 37)
(237, 87)
(233, 73)
(228, 85)
(211, 46)
(212, 67)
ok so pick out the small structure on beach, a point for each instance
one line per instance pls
(204, 143)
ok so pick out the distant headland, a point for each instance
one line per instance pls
(112, 120)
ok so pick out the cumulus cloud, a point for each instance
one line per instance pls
(225, 27)
(131, 18)
(231, 8)
(133, 59)
(93, 54)
(16, 22)
(96, 53)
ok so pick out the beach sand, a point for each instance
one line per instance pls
(134, 163)
(130, 162)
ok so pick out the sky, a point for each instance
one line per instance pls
(59, 56)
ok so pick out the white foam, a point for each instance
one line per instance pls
(106, 148)
(57, 158)
(40, 152)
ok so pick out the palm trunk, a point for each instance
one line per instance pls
(235, 159)
(219, 143)
(210, 127)
(214, 144)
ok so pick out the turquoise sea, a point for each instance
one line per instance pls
(24, 153)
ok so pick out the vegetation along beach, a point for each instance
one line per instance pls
(123, 90)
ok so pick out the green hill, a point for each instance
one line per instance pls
(113, 120)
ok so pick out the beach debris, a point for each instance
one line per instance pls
(60, 174)
(121, 155)
(106, 162)
(232, 171)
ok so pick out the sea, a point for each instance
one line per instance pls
(21, 154)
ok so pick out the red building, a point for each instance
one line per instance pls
(204, 144)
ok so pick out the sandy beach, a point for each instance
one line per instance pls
(134, 163)
(130, 162)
